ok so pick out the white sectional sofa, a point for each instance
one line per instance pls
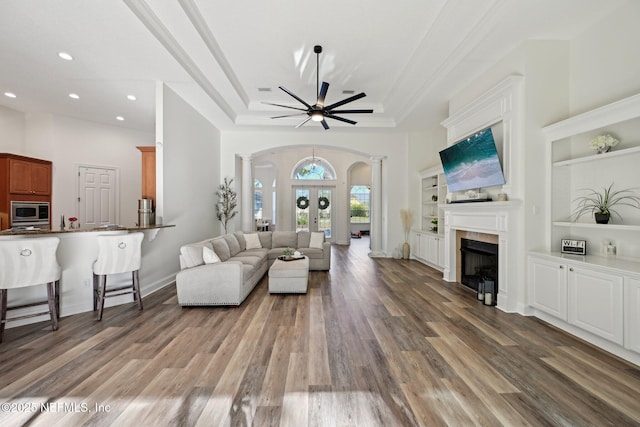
(225, 269)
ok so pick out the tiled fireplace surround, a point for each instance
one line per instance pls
(495, 222)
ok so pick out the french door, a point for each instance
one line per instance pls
(312, 209)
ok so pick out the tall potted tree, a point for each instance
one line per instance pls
(226, 205)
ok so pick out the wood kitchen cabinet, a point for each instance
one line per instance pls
(148, 172)
(28, 176)
(22, 179)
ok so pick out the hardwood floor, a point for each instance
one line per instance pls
(375, 342)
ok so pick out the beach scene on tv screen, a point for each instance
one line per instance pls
(472, 163)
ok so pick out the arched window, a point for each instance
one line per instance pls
(257, 199)
(313, 168)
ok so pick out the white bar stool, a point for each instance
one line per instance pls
(117, 254)
(30, 262)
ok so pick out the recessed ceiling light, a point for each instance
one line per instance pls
(119, 118)
(74, 96)
(65, 56)
(264, 89)
(131, 97)
(348, 92)
(10, 94)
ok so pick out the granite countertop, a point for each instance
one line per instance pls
(81, 230)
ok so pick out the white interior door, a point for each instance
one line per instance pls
(312, 209)
(97, 196)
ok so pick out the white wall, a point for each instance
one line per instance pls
(605, 60)
(188, 148)
(392, 145)
(12, 130)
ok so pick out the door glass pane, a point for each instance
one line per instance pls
(324, 211)
(302, 209)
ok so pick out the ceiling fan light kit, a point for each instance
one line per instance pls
(319, 111)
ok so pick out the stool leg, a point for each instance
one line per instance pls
(136, 289)
(102, 290)
(51, 295)
(3, 311)
(95, 292)
(57, 293)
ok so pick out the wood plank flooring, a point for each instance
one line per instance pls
(375, 342)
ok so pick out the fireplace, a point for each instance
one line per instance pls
(478, 262)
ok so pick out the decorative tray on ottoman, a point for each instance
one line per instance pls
(290, 258)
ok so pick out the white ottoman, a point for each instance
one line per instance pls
(289, 276)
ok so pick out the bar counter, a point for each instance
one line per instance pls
(77, 251)
(38, 231)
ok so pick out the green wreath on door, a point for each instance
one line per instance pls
(323, 203)
(302, 202)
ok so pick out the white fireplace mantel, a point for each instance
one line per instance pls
(497, 218)
(501, 103)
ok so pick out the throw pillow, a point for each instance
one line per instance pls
(253, 241)
(221, 248)
(317, 240)
(209, 256)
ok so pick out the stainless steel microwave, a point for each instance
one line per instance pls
(29, 213)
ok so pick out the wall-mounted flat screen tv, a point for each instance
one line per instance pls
(472, 163)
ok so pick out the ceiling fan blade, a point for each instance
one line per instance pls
(303, 122)
(351, 111)
(284, 106)
(289, 115)
(346, 101)
(294, 96)
(342, 119)
(324, 124)
(322, 94)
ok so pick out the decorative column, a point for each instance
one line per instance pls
(246, 208)
(376, 207)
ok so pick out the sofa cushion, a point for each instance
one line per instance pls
(255, 261)
(265, 239)
(312, 253)
(252, 241)
(317, 240)
(221, 247)
(209, 256)
(192, 254)
(234, 246)
(240, 236)
(284, 239)
(303, 239)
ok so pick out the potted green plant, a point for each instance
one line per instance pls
(434, 224)
(226, 206)
(601, 204)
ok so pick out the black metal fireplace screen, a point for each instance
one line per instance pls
(479, 263)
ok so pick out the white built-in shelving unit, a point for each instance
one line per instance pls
(594, 296)
(428, 245)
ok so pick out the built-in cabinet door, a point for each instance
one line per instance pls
(432, 249)
(632, 314)
(596, 302)
(416, 246)
(440, 252)
(548, 286)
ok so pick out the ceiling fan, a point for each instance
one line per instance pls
(319, 112)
